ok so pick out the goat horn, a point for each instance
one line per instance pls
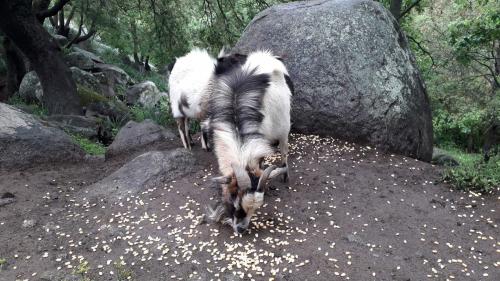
(241, 176)
(263, 178)
(278, 171)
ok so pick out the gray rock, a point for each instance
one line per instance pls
(442, 158)
(144, 171)
(113, 109)
(25, 141)
(136, 136)
(81, 125)
(85, 79)
(114, 74)
(80, 60)
(145, 94)
(354, 74)
(88, 54)
(30, 88)
(61, 40)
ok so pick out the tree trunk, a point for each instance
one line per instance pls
(396, 8)
(16, 68)
(18, 22)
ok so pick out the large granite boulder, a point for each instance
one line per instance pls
(25, 141)
(145, 94)
(80, 60)
(30, 88)
(354, 74)
(136, 136)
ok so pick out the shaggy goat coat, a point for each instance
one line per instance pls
(188, 81)
(249, 110)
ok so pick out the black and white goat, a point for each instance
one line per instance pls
(248, 112)
(188, 80)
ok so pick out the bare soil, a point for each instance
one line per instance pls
(348, 213)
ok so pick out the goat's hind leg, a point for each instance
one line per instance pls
(181, 126)
(284, 157)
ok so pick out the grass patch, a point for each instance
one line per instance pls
(122, 272)
(90, 147)
(2, 263)
(82, 270)
(31, 108)
(87, 96)
(473, 174)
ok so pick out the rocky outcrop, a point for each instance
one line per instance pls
(136, 136)
(354, 74)
(87, 127)
(142, 172)
(145, 94)
(25, 141)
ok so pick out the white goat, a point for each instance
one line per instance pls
(248, 111)
(188, 80)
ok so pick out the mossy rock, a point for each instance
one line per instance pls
(88, 96)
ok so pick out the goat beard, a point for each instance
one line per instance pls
(215, 215)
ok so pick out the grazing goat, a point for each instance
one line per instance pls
(248, 112)
(188, 80)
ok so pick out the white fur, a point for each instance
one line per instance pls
(275, 125)
(189, 78)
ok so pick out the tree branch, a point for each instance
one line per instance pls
(408, 9)
(59, 5)
(424, 50)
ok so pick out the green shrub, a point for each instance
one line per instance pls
(90, 147)
(473, 173)
(160, 114)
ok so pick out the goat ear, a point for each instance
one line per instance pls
(222, 179)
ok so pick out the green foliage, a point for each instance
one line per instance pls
(113, 57)
(473, 174)
(90, 147)
(3, 264)
(122, 272)
(160, 114)
(32, 108)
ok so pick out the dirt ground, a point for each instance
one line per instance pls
(348, 213)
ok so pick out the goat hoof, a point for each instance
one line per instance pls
(286, 179)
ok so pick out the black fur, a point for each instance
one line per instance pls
(170, 66)
(289, 83)
(229, 63)
(240, 105)
(183, 104)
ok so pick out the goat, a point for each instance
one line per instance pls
(248, 111)
(188, 80)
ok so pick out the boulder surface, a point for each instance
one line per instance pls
(354, 74)
(144, 171)
(25, 141)
(134, 136)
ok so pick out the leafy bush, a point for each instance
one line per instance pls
(90, 147)
(465, 130)
(473, 173)
(160, 114)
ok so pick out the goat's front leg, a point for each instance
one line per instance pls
(284, 157)
(181, 127)
(187, 133)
